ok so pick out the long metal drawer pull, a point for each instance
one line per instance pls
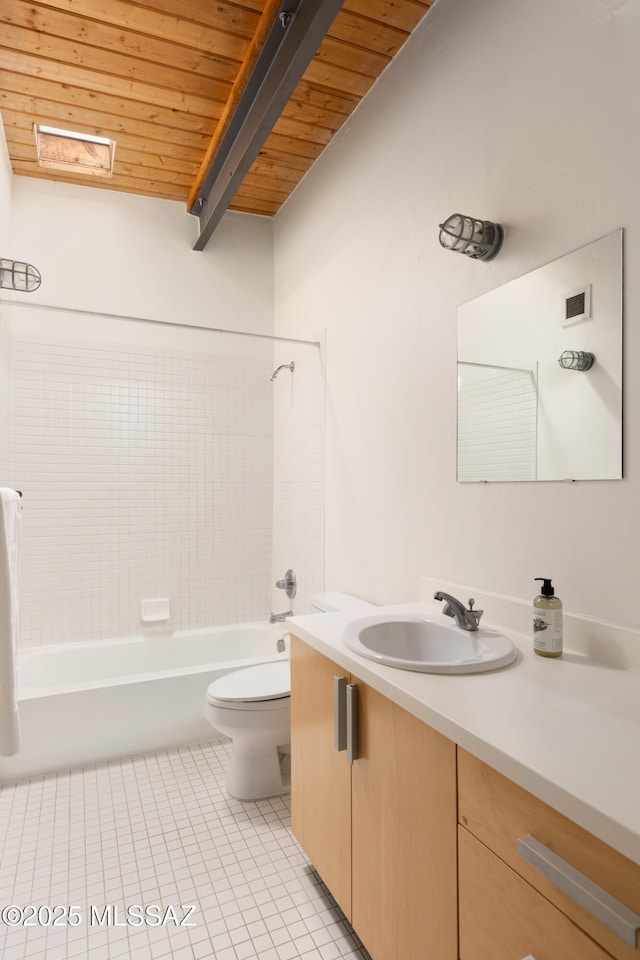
(600, 904)
(340, 713)
(352, 722)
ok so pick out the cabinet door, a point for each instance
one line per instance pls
(320, 775)
(403, 834)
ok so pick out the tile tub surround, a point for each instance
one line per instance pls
(160, 829)
(158, 463)
(565, 730)
(147, 472)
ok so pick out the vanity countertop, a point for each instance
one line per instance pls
(566, 729)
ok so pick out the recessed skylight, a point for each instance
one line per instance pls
(74, 152)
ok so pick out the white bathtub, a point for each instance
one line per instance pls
(82, 703)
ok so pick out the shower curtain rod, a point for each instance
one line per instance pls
(164, 323)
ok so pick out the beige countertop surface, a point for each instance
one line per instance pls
(566, 729)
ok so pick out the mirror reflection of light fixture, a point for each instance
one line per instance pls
(478, 239)
(15, 275)
(576, 360)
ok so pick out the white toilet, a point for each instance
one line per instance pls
(252, 707)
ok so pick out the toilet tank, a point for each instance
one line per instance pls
(336, 602)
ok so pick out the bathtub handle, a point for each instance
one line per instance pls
(340, 713)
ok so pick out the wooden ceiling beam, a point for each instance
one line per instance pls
(286, 54)
(263, 29)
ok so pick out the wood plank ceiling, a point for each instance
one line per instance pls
(155, 75)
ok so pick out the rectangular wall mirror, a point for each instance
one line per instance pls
(540, 372)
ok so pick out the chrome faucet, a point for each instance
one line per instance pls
(280, 617)
(466, 619)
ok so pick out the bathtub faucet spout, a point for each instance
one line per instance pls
(280, 617)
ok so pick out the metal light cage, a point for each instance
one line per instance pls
(478, 239)
(576, 360)
(15, 275)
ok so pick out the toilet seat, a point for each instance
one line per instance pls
(261, 687)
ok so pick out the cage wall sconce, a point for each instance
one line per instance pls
(478, 239)
(16, 275)
(576, 360)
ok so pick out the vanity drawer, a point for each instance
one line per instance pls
(503, 918)
(500, 813)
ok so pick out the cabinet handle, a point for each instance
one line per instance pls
(587, 894)
(352, 722)
(340, 713)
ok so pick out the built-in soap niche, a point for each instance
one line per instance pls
(540, 372)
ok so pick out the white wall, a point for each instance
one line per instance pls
(6, 185)
(124, 254)
(521, 113)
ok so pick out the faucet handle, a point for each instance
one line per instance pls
(476, 614)
(288, 584)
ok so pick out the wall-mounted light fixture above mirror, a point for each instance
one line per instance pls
(478, 239)
(521, 414)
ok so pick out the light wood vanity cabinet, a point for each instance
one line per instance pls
(508, 908)
(403, 846)
(380, 831)
(320, 776)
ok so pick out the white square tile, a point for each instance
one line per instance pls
(230, 920)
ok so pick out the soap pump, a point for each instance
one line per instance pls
(547, 621)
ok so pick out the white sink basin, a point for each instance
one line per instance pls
(426, 644)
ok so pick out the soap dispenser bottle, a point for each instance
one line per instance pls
(547, 621)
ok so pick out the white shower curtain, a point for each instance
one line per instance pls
(9, 540)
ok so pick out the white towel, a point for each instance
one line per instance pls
(9, 539)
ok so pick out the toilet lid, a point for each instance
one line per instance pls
(267, 681)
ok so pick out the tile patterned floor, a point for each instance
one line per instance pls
(158, 830)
